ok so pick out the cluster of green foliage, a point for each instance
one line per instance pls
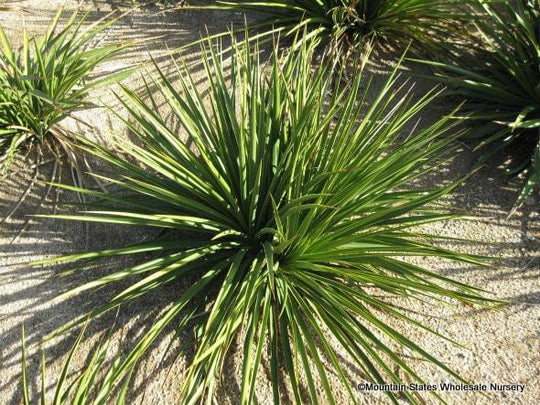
(499, 77)
(349, 26)
(288, 214)
(46, 81)
(289, 210)
(493, 63)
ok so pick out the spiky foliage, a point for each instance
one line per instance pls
(350, 25)
(499, 77)
(45, 81)
(88, 386)
(287, 218)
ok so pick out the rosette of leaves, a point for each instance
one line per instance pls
(286, 215)
(45, 81)
(499, 77)
(349, 26)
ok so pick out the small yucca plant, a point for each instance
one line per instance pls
(349, 26)
(287, 217)
(499, 77)
(89, 386)
(46, 81)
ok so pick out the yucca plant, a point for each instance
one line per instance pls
(287, 218)
(87, 386)
(499, 77)
(349, 26)
(46, 81)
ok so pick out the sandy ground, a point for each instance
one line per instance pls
(499, 346)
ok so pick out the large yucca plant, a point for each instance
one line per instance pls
(286, 213)
(45, 81)
(499, 77)
(350, 25)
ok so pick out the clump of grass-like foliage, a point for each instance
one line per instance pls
(287, 217)
(348, 26)
(499, 77)
(45, 81)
